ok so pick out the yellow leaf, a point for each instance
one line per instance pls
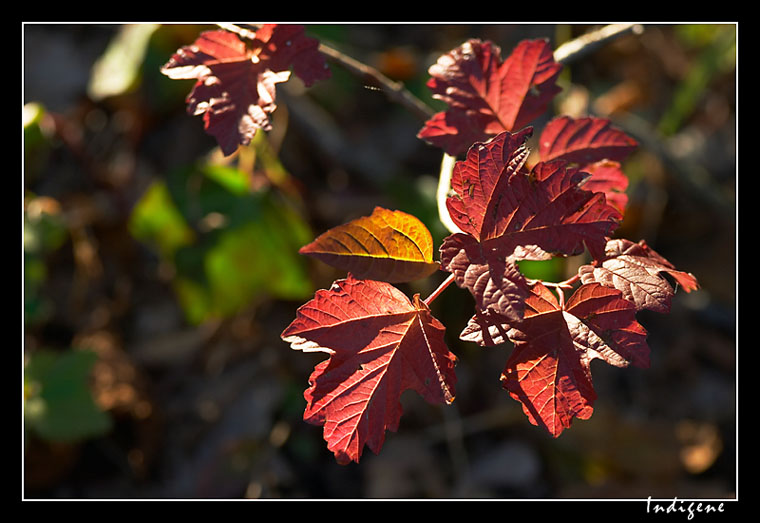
(390, 246)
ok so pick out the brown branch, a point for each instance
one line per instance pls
(394, 90)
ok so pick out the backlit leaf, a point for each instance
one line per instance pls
(380, 344)
(504, 206)
(480, 182)
(583, 141)
(549, 372)
(637, 271)
(608, 177)
(390, 246)
(235, 87)
(487, 96)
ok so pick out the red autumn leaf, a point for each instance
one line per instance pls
(549, 371)
(596, 147)
(502, 205)
(235, 88)
(608, 177)
(487, 96)
(480, 181)
(637, 271)
(583, 141)
(498, 286)
(486, 329)
(391, 246)
(380, 344)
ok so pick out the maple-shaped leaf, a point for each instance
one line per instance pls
(508, 214)
(487, 96)
(549, 372)
(480, 182)
(235, 87)
(380, 344)
(390, 246)
(637, 271)
(502, 205)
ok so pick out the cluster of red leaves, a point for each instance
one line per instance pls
(569, 202)
(380, 343)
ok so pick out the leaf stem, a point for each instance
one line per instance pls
(561, 296)
(439, 290)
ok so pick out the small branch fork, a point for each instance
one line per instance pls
(561, 287)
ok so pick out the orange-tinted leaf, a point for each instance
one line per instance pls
(390, 246)
(380, 344)
(549, 371)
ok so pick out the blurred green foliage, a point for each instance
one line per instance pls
(58, 404)
(118, 70)
(547, 270)
(715, 46)
(36, 141)
(229, 243)
(44, 232)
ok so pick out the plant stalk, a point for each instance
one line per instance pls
(439, 290)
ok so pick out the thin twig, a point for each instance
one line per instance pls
(238, 30)
(567, 284)
(584, 44)
(394, 90)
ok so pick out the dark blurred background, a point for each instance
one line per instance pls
(158, 275)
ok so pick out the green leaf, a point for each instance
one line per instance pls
(58, 403)
(156, 220)
(230, 246)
